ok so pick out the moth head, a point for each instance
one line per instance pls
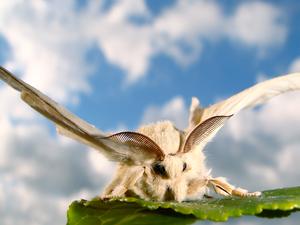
(138, 149)
(189, 157)
(172, 166)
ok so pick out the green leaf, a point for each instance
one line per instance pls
(98, 212)
(272, 203)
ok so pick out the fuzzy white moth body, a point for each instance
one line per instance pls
(159, 162)
(170, 179)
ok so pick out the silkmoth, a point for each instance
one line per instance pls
(158, 161)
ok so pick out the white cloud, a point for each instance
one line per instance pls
(174, 110)
(23, 205)
(124, 43)
(41, 174)
(181, 29)
(295, 65)
(46, 46)
(50, 45)
(100, 164)
(287, 160)
(185, 21)
(258, 24)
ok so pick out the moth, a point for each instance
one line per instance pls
(158, 161)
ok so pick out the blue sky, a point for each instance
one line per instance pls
(229, 65)
(119, 64)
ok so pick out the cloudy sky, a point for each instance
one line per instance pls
(119, 64)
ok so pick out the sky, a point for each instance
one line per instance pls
(120, 64)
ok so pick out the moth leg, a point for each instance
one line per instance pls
(125, 179)
(179, 190)
(151, 187)
(244, 193)
(117, 180)
(222, 187)
(196, 187)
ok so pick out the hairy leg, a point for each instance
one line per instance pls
(125, 178)
(222, 187)
(196, 187)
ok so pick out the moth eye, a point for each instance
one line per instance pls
(159, 169)
(184, 166)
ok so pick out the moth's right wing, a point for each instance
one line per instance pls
(72, 126)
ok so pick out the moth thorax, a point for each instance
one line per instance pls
(164, 134)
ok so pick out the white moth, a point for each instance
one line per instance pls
(159, 162)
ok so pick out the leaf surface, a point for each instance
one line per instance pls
(272, 203)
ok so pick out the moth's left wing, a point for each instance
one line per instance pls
(214, 117)
(72, 126)
(195, 114)
(250, 97)
(253, 96)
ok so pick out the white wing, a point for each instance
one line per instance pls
(253, 96)
(250, 97)
(72, 126)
